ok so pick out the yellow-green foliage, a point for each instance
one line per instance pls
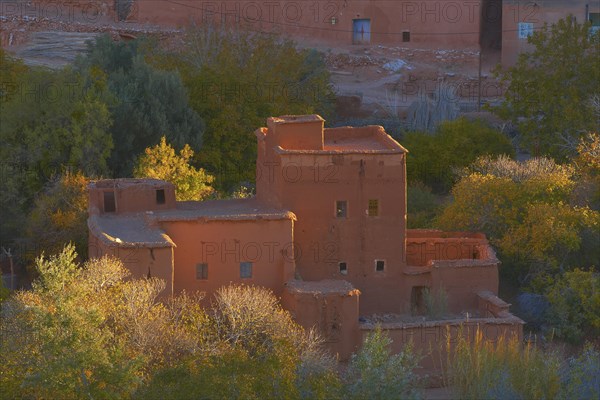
(524, 208)
(161, 162)
(93, 332)
(433, 158)
(59, 217)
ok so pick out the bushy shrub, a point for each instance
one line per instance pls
(422, 206)
(575, 304)
(435, 158)
(376, 373)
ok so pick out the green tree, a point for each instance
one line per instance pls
(256, 352)
(60, 216)
(55, 340)
(549, 90)
(575, 304)
(52, 123)
(238, 79)
(434, 159)
(376, 373)
(148, 103)
(524, 208)
(161, 162)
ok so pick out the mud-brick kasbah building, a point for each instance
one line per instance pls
(326, 232)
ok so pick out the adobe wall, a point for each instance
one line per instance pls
(268, 244)
(131, 195)
(515, 12)
(432, 339)
(423, 246)
(431, 23)
(462, 282)
(140, 261)
(322, 240)
(331, 308)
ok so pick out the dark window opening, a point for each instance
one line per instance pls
(341, 209)
(202, 271)
(160, 196)
(379, 265)
(109, 202)
(417, 302)
(343, 268)
(373, 208)
(595, 20)
(246, 270)
(406, 36)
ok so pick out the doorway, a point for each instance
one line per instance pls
(361, 31)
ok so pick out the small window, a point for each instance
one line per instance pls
(109, 202)
(379, 265)
(160, 196)
(525, 30)
(245, 270)
(343, 268)
(373, 208)
(341, 209)
(202, 271)
(406, 36)
(595, 20)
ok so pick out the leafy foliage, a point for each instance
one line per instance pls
(56, 345)
(52, 123)
(549, 89)
(60, 216)
(575, 304)
(236, 80)
(161, 162)
(433, 159)
(524, 209)
(421, 206)
(374, 373)
(148, 103)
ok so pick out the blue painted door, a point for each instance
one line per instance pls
(361, 31)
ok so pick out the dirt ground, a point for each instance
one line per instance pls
(370, 80)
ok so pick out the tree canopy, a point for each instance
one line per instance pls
(161, 162)
(238, 79)
(550, 91)
(148, 103)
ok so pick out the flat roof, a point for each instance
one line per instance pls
(370, 139)
(296, 119)
(233, 209)
(127, 182)
(327, 286)
(353, 143)
(141, 229)
(128, 231)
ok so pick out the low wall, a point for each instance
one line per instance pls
(431, 340)
(423, 246)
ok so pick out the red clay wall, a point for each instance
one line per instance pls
(131, 195)
(310, 184)
(268, 244)
(430, 22)
(333, 315)
(432, 339)
(141, 261)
